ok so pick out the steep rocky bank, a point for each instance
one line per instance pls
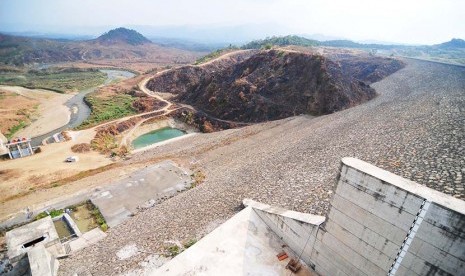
(257, 86)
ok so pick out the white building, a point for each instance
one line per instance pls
(19, 147)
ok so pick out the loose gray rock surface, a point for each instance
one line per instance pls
(414, 128)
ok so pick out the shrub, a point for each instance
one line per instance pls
(173, 251)
(53, 213)
(198, 177)
(79, 148)
(104, 227)
(190, 243)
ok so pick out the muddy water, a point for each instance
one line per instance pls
(62, 228)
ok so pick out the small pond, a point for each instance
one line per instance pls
(156, 136)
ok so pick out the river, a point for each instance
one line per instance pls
(79, 109)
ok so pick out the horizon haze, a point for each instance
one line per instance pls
(407, 22)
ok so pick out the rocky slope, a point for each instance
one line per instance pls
(256, 86)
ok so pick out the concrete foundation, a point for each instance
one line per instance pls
(142, 190)
(41, 262)
(23, 239)
(378, 224)
(244, 245)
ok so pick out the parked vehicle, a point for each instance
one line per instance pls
(72, 159)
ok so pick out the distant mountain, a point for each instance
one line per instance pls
(185, 44)
(110, 48)
(122, 35)
(448, 52)
(358, 45)
(454, 43)
(280, 41)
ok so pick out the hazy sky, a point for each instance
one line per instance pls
(407, 21)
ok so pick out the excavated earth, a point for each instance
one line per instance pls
(415, 127)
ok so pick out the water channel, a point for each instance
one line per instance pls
(79, 109)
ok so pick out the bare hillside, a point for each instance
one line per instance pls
(256, 86)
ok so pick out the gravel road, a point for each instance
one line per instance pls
(414, 128)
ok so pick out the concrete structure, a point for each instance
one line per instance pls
(86, 239)
(378, 224)
(142, 189)
(243, 245)
(34, 248)
(22, 239)
(20, 147)
(41, 262)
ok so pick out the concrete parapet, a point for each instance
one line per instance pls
(380, 223)
(41, 262)
(297, 230)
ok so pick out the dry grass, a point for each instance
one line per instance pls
(198, 177)
(15, 111)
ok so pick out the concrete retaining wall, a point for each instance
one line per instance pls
(41, 262)
(297, 230)
(380, 223)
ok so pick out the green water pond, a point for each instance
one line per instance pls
(156, 136)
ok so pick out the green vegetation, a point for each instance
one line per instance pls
(53, 213)
(269, 42)
(105, 143)
(215, 54)
(106, 109)
(125, 35)
(57, 79)
(15, 128)
(190, 243)
(173, 251)
(94, 211)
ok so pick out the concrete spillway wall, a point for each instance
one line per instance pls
(378, 224)
(297, 230)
